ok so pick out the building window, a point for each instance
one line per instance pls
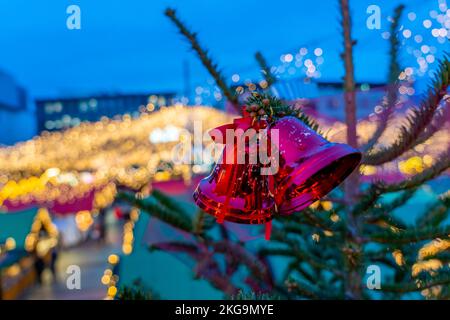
(83, 107)
(93, 103)
(51, 107)
(49, 125)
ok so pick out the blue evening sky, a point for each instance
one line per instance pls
(130, 46)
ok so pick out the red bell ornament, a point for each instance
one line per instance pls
(309, 165)
(235, 190)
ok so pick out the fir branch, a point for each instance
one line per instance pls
(242, 295)
(382, 213)
(443, 256)
(169, 202)
(367, 200)
(136, 292)
(302, 256)
(209, 269)
(441, 279)
(309, 217)
(265, 105)
(380, 259)
(387, 208)
(202, 223)
(265, 69)
(392, 93)
(437, 124)
(276, 252)
(438, 212)
(418, 121)
(441, 164)
(386, 221)
(204, 57)
(296, 266)
(410, 236)
(152, 207)
(303, 290)
(177, 246)
(256, 267)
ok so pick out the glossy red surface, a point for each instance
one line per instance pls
(309, 168)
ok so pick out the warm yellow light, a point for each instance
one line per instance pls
(334, 217)
(10, 244)
(98, 155)
(106, 279)
(127, 248)
(108, 272)
(113, 259)
(84, 220)
(434, 247)
(411, 166)
(428, 160)
(52, 172)
(328, 233)
(315, 205)
(398, 257)
(134, 214)
(368, 170)
(13, 270)
(426, 265)
(112, 291)
(327, 205)
(30, 241)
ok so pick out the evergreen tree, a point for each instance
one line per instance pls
(328, 252)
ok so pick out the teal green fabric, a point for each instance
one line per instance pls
(16, 225)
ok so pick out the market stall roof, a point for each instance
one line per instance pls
(17, 226)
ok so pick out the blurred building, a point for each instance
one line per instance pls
(17, 121)
(326, 98)
(58, 114)
(330, 99)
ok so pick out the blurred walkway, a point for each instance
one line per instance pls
(91, 257)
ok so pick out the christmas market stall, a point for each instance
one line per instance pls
(27, 242)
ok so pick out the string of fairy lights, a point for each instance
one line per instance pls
(130, 152)
(110, 279)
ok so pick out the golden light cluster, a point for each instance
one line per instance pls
(433, 248)
(427, 261)
(322, 204)
(34, 241)
(105, 196)
(426, 265)
(84, 220)
(10, 244)
(110, 279)
(398, 257)
(129, 152)
(54, 186)
(128, 232)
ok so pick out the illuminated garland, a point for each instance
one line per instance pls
(131, 153)
(95, 157)
(110, 279)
